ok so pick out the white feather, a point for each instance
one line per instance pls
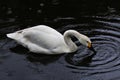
(46, 40)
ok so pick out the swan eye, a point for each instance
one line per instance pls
(87, 41)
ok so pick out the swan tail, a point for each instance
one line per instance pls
(10, 35)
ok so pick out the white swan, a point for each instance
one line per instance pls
(46, 40)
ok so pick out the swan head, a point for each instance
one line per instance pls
(84, 40)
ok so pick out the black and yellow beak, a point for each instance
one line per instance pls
(91, 47)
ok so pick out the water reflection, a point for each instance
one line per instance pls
(82, 57)
(42, 58)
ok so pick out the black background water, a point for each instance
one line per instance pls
(99, 21)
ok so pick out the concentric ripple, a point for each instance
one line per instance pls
(106, 42)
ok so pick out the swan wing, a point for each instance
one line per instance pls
(43, 39)
(40, 39)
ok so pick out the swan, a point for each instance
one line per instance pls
(46, 40)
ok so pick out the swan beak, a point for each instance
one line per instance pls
(91, 47)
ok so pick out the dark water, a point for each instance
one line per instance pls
(16, 63)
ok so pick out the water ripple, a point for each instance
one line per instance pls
(106, 40)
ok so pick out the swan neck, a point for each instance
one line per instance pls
(67, 37)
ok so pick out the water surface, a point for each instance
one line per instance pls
(17, 63)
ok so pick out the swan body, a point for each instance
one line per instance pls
(46, 40)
